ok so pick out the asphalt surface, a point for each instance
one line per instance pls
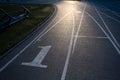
(81, 42)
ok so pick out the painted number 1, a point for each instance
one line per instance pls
(37, 61)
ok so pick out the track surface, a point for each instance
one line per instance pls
(82, 42)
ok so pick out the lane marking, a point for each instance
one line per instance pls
(104, 32)
(110, 17)
(112, 11)
(37, 62)
(55, 24)
(107, 28)
(68, 54)
(38, 40)
(77, 33)
(71, 45)
(41, 35)
(91, 37)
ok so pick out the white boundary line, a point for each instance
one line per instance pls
(77, 33)
(71, 45)
(41, 35)
(107, 27)
(115, 13)
(97, 37)
(54, 25)
(104, 32)
(110, 17)
(69, 52)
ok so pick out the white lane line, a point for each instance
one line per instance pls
(68, 54)
(91, 37)
(42, 33)
(104, 32)
(107, 28)
(110, 17)
(38, 40)
(70, 49)
(111, 11)
(37, 62)
(55, 24)
(77, 33)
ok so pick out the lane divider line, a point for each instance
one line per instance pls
(80, 24)
(110, 17)
(115, 13)
(68, 56)
(104, 32)
(54, 25)
(97, 37)
(71, 45)
(114, 39)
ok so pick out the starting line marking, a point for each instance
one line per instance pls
(91, 37)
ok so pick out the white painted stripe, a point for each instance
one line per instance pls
(77, 33)
(107, 28)
(91, 37)
(104, 33)
(55, 24)
(110, 17)
(70, 47)
(112, 11)
(37, 62)
(68, 55)
(38, 40)
(40, 35)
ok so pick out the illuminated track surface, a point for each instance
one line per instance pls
(81, 42)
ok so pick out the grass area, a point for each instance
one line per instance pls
(17, 32)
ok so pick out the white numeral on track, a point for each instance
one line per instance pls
(39, 58)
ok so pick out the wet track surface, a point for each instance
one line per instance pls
(81, 42)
